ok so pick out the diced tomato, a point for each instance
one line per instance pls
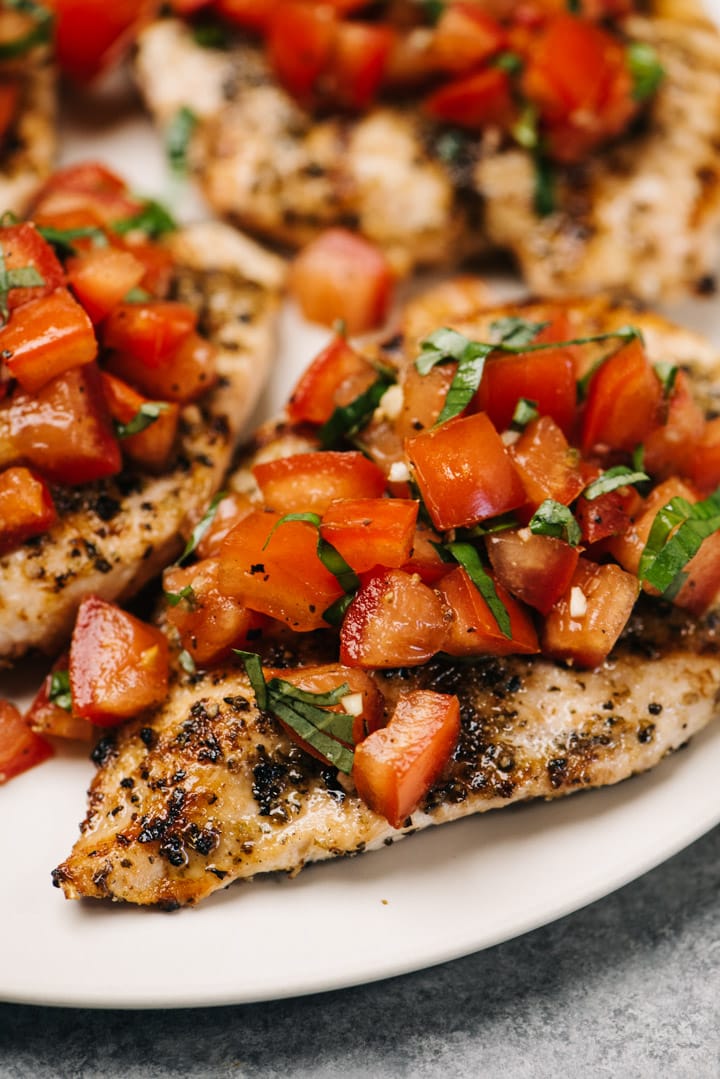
(424, 558)
(578, 76)
(336, 376)
(394, 621)
(157, 262)
(423, 396)
(704, 468)
(474, 101)
(149, 331)
(20, 748)
(309, 482)
(536, 569)
(465, 36)
(547, 465)
(251, 14)
(89, 187)
(9, 103)
(229, 512)
(65, 429)
(473, 630)
(670, 449)
(623, 403)
(119, 665)
(464, 472)
(628, 547)
(371, 532)
(150, 448)
(181, 375)
(45, 338)
(208, 622)
(607, 515)
(702, 583)
(342, 276)
(357, 64)
(325, 679)
(101, 277)
(89, 36)
(23, 247)
(48, 718)
(584, 625)
(279, 575)
(394, 768)
(300, 40)
(546, 377)
(26, 507)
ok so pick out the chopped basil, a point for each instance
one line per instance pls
(145, 415)
(469, 559)
(619, 476)
(552, 518)
(451, 145)
(574, 6)
(510, 62)
(20, 277)
(514, 330)
(667, 374)
(346, 420)
(677, 534)
(490, 527)
(211, 35)
(187, 662)
(525, 412)
(331, 559)
(153, 219)
(544, 197)
(305, 712)
(525, 128)
(646, 70)
(39, 34)
(175, 598)
(177, 138)
(137, 295)
(638, 458)
(432, 9)
(62, 239)
(59, 691)
(201, 527)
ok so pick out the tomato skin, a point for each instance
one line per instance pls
(394, 621)
(22, 245)
(704, 467)
(300, 39)
(371, 532)
(151, 448)
(586, 639)
(464, 37)
(343, 276)
(89, 188)
(473, 630)
(183, 374)
(309, 482)
(336, 376)
(607, 515)
(285, 579)
(424, 559)
(536, 569)
(230, 511)
(119, 666)
(474, 101)
(45, 338)
(395, 767)
(670, 448)
(357, 64)
(101, 277)
(149, 331)
(89, 36)
(210, 623)
(623, 403)
(546, 464)
(26, 507)
(423, 397)
(20, 747)
(64, 430)
(464, 472)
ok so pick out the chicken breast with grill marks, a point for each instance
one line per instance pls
(114, 535)
(207, 789)
(641, 217)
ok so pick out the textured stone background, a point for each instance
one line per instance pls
(629, 987)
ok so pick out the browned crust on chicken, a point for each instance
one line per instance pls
(30, 145)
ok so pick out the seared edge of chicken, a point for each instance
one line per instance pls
(31, 145)
(114, 535)
(207, 789)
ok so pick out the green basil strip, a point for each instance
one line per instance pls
(638, 458)
(667, 374)
(510, 62)
(335, 613)
(330, 557)
(469, 559)
(552, 518)
(490, 527)
(254, 671)
(21, 277)
(619, 476)
(146, 415)
(516, 331)
(467, 379)
(645, 68)
(62, 239)
(525, 412)
(59, 691)
(175, 598)
(439, 347)
(137, 295)
(665, 556)
(307, 696)
(153, 219)
(334, 752)
(525, 129)
(201, 527)
(544, 195)
(178, 136)
(187, 662)
(347, 419)
(39, 34)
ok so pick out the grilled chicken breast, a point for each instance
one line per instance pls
(641, 217)
(207, 789)
(28, 149)
(114, 535)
